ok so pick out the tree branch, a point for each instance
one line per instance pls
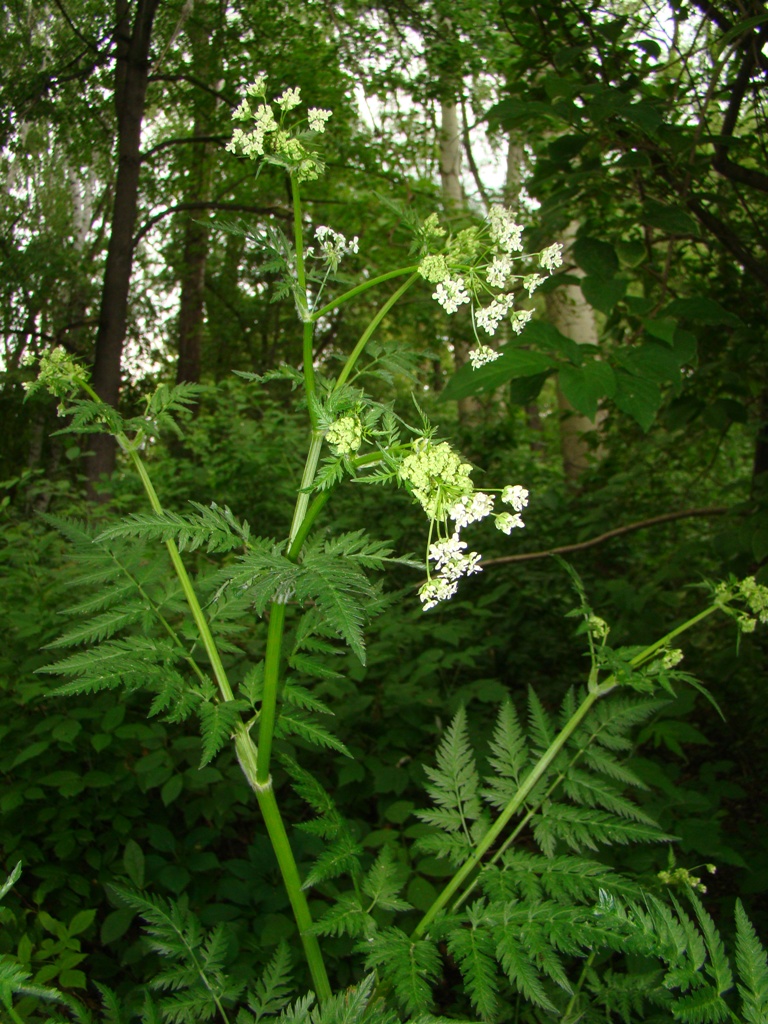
(191, 139)
(180, 207)
(668, 517)
(197, 84)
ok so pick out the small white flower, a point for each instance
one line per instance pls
(520, 318)
(506, 522)
(532, 282)
(552, 257)
(317, 118)
(481, 355)
(243, 112)
(499, 270)
(451, 293)
(334, 245)
(289, 99)
(436, 590)
(490, 317)
(504, 231)
(445, 551)
(257, 87)
(516, 496)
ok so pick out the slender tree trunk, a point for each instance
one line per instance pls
(460, 330)
(206, 48)
(131, 77)
(572, 315)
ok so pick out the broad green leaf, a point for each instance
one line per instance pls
(524, 390)
(638, 397)
(672, 219)
(133, 861)
(703, 309)
(585, 385)
(603, 293)
(631, 253)
(513, 362)
(596, 258)
(663, 328)
(653, 362)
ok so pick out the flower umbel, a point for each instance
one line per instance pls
(440, 481)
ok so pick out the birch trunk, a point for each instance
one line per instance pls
(572, 315)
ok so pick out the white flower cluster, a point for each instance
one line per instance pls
(266, 133)
(317, 118)
(504, 232)
(471, 245)
(481, 355)
(451, 293)
(345, 435)
(441, 483)
(333, 245)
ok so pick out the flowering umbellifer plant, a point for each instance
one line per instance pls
(323, 583)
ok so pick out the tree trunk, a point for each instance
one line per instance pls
(206, 48)
(131, 77)
(572, 315)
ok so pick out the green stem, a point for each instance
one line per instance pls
(268, 711)
(307, 479)
(537, 773)
(186, 584)
(649, 651)
(301, 280)
(358, 289)
(248, 758)
(357, 350)
(307, 523)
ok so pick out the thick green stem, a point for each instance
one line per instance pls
(365, 338)
(358, 289)
(248, 758)
(307, 479)
(268, 711)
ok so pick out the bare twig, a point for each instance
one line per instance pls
(668, 517)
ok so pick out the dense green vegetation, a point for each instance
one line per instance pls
(517, 804)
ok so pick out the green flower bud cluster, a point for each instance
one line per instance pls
(436, 477)
(345, 435)
(59, 373)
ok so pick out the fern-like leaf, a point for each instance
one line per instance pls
(217, 723)
(752, 965)
(454, 789)
(473, 949)
(509, 758)
(411, 966)
(272, 991)
(582, 828)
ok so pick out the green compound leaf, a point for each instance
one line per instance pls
(752, 965)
